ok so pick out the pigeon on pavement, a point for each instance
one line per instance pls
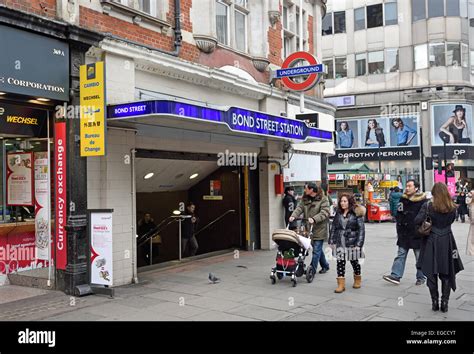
(213, 279)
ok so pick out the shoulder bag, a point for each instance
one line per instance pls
(425, 228)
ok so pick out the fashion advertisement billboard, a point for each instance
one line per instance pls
(452, 123)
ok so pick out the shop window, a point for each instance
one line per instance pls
(391, 13)
(361, 64)
(453, 54)
(374, 16)
(391, 60)
(359, 19)
(327, 24)
(436, 8)
(418, 10)
(421, 56)
(452, 8)
(222, 22)
(437, 54)
(376, 63)
(329, 64)
(465, 55)
(341, 67)
(340, 22)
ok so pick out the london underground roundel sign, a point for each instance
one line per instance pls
(288, 70)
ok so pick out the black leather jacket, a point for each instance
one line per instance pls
(353, 235)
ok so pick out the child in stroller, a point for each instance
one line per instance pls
(292, 252)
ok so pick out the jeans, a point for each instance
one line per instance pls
(189, 244)
(318, 255)
(399, 264)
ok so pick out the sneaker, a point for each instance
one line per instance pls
(420, 281)
(324, 270)
(391, 279)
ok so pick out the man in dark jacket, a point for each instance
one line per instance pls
(408, 237)
(289, 203)
(188, 228)
(394, 199)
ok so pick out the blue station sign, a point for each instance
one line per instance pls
(237, 119)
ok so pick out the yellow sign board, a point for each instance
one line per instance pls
(212, 197)
(92, 100)
(388, 184)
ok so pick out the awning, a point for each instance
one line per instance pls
(234, 120)
(346, 168)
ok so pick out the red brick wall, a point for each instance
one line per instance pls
(45, 8)
(99, 22)
(275, 43)
(311, 35)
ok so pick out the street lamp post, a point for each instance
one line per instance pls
(445, 164)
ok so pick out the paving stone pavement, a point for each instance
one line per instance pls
(245, 292)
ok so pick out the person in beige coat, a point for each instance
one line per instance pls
(470, 237)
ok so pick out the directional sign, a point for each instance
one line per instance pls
(299, 71)
(313, 72)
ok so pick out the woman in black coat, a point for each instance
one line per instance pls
(439, 256)
(462, 206)
(347, 237)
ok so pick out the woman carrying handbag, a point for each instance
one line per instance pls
(439, 256)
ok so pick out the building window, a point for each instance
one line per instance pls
(391, 13)
(341, 67)
(471, 14)
(287, 46)
(327, 24)
(240, 31)
(437, 54)
(328, 63)
(391, 60)
(340, 22)
(463, 8)
(359, 19)
(297, 37)
(452, 8)
(376, 63)
(465, 55)
(418, 10)
(222, 22)
(147, 6)
(453, 54)
(361, 64)
(436, 8)
(285, 19)
(374, 16)
(421, 56)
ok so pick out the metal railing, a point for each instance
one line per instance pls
(214, 221)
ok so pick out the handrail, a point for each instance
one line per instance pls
(214, 221)
(153, 232)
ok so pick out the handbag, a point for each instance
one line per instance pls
(425, 228)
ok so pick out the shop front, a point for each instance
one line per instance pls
(28, 97)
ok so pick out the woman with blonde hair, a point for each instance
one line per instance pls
(439, 256)
(470, 237)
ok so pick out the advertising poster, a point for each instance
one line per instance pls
(451, 182)
(215, 188)
(374, 132)
(452, 122)
(404, 131)
(101, 248)
(20, 178)
(347, 134)
(60, 194)
(42, 222)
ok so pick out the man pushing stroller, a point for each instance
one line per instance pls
(315, 208)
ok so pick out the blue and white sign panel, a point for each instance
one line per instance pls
(237, 119)
(299, 71)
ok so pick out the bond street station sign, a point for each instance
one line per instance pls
(33, 65)
(237, 119)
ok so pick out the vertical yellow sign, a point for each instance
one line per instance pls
(92, 100)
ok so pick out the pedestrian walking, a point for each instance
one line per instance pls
(289, 203)
(439, 256)
(470, 236)
(315, 208)
(408, 238)
(189, 244)
(462, 206)
(346, 238)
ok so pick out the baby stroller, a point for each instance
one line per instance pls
(291, 255)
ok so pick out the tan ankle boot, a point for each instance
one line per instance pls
(357, 281)
(341, 285)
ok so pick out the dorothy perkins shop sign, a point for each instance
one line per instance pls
(33, 65)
